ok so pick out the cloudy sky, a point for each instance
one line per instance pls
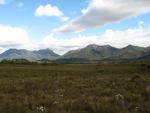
(64, 25)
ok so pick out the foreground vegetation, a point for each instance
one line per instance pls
(75, 88)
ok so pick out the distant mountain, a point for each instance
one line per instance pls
(29, 55)
(107, 52)
(46, 54)
(132, 52)
(91, 53)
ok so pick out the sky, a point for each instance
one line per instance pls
(64, 25)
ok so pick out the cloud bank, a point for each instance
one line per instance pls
(100, 12)
(16, 37)
(138, 37)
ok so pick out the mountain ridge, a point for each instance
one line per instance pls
(96, 52)
(91, 52)
(29, 55)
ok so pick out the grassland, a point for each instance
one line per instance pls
(75, 88)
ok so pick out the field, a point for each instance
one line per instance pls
(75, 88)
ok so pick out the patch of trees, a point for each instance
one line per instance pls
(15, 61)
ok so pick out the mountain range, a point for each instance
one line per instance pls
(107, 52)
(29, 55)
(89, 53)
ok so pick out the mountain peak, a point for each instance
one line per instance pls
(13, 50)
(93, 46)
(130, 46)
(98, 46)
(47, 49)
(29, 55)
(96, 52)
(46, 52)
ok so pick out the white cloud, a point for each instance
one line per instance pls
(100, 12)
(83, 11)
(20, 4)
(14, 37)
(63, 45)
(64, 18)
(48, 10)
(138, 36)
(2, 2)
(141, 23)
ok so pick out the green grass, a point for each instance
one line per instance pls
(75, 88)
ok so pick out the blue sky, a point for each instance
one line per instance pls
(63, 25)
(25, 16)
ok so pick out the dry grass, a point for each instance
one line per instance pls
(75, 88)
